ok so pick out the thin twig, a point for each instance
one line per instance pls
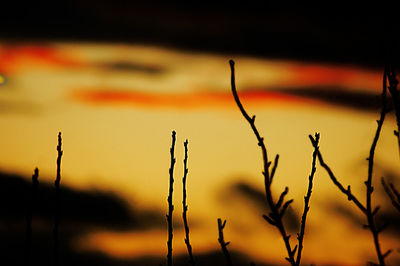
(170, 205)
(185, 207)
(393, 82)
(275, 217)
(393, 194)
(57, 208)
(347, 191)
(221, 226)
(368, 211)
(368, 183)
(300, 236)
(28, 244)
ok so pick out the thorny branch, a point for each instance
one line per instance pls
(367, 210)
(300, 236)
(170, 205)
(275, 217)
(185, 207)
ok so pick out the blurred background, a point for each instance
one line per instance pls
(116, 77)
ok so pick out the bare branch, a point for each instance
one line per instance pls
(277, 221)
(274, 168)
(222, 242)
(300, 237)
(185, 207)
(57, 207)
(170, 204)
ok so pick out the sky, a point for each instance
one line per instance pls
(116, 102)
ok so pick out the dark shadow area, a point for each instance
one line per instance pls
(334, 34)
(83, 208)
(255, 197)
(357, 100)
(81, 212)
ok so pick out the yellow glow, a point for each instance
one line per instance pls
(121, 143)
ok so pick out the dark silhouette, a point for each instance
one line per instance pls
(366, 210)
(221, 240)
(278, 209)
(170, 204)
(57, 207)
(300, 236)
(31, 204)
(185, 207)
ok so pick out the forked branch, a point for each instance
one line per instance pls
(221, 240)
(300, 235)
(367, 210)
(277, 212)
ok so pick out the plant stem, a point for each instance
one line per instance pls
(170, 205)
(57, 208)
(300, 236)
(185, 207)
(275, 217)
(221, 226)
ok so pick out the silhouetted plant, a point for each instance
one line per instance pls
(170, 204)
(32, 201)
(367, 210)
(393, 194)
(390, 190)
(391, 76)
(221, 240)
(185, 207)
(57, 201)
(300, 235)
(277, 209)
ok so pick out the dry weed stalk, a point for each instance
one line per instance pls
(57, 207)
(221, 240)
(367, 209)
(277, 208)
(170, 204)
(28, 243)
(185, 207)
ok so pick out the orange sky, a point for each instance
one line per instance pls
(116, 126)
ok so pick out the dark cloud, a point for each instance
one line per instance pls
(358, 100)
(81, 212)
(91, 208)
(333, 34)
(133, 67)
(256, 198)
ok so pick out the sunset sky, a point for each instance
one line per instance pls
(116, 104)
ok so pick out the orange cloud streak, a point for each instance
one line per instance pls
(13, 57)
(184, 100)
